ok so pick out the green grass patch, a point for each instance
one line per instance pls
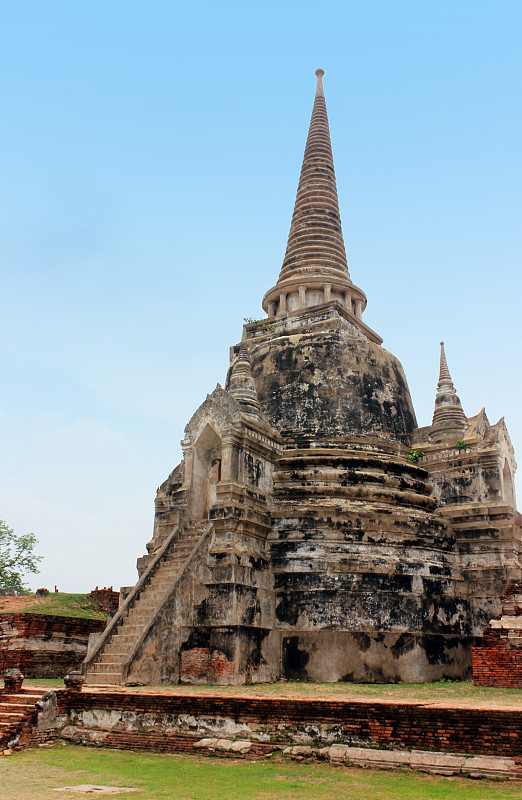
(64, 605)
(37, 773)
(443, 692)
(46, 683)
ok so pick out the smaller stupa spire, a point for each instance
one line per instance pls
(449, 417)
(444, 373)
(240, 384)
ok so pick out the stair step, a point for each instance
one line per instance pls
(112, 679)
(163, 582)
(108, 666)
(11, 717)
(22, 696)
(111, 658)
(150, 604)
(140, 616)
(131, 625)
(127, 634)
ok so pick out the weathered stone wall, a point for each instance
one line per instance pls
(318, 384)
(151, 724)
(365, 573)
(223, 607)
(488, 544)
(320, 722)
(473, 487)
(44, 645)
(480, 472)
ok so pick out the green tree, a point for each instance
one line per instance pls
(16, 557)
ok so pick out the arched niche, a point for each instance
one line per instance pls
(206, 473)
(508, 485)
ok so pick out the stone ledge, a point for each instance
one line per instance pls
(420, 760)
(340, 754)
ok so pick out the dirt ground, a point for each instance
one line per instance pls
(13, 605)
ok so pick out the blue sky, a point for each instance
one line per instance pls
(150, 157)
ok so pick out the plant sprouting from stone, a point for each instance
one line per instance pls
(460, 445)
(415, 456)
(261, 323)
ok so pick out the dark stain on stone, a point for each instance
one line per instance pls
(404, 644)
(294, 659)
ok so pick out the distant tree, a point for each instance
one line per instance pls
(16, 557)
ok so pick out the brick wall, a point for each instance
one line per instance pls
(44, 645)
(204, 663)
(385, 725)
(107, 599)
(498, 659)
(497, 666)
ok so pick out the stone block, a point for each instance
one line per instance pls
(223, 744)
(338, 752)
(490, 767)
(378, 759)
(298, 750)
(438, 763)
(83, 736)
(241, 746)
(205, 743)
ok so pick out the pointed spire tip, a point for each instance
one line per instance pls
(320, 91)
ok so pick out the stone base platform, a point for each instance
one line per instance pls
(447, 739)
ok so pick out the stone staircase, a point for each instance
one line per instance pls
(16, 714)
(133, 617)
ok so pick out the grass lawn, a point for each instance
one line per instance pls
(35, 774)
(45, 683)
(65, 605)
(60, 604)
(444, 692)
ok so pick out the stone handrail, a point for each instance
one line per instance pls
(129, 600)
(126, 665)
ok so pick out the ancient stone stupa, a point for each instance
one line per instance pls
(312, 530)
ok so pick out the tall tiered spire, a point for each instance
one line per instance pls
(315, 242)
(449, 416)
(314, 268)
